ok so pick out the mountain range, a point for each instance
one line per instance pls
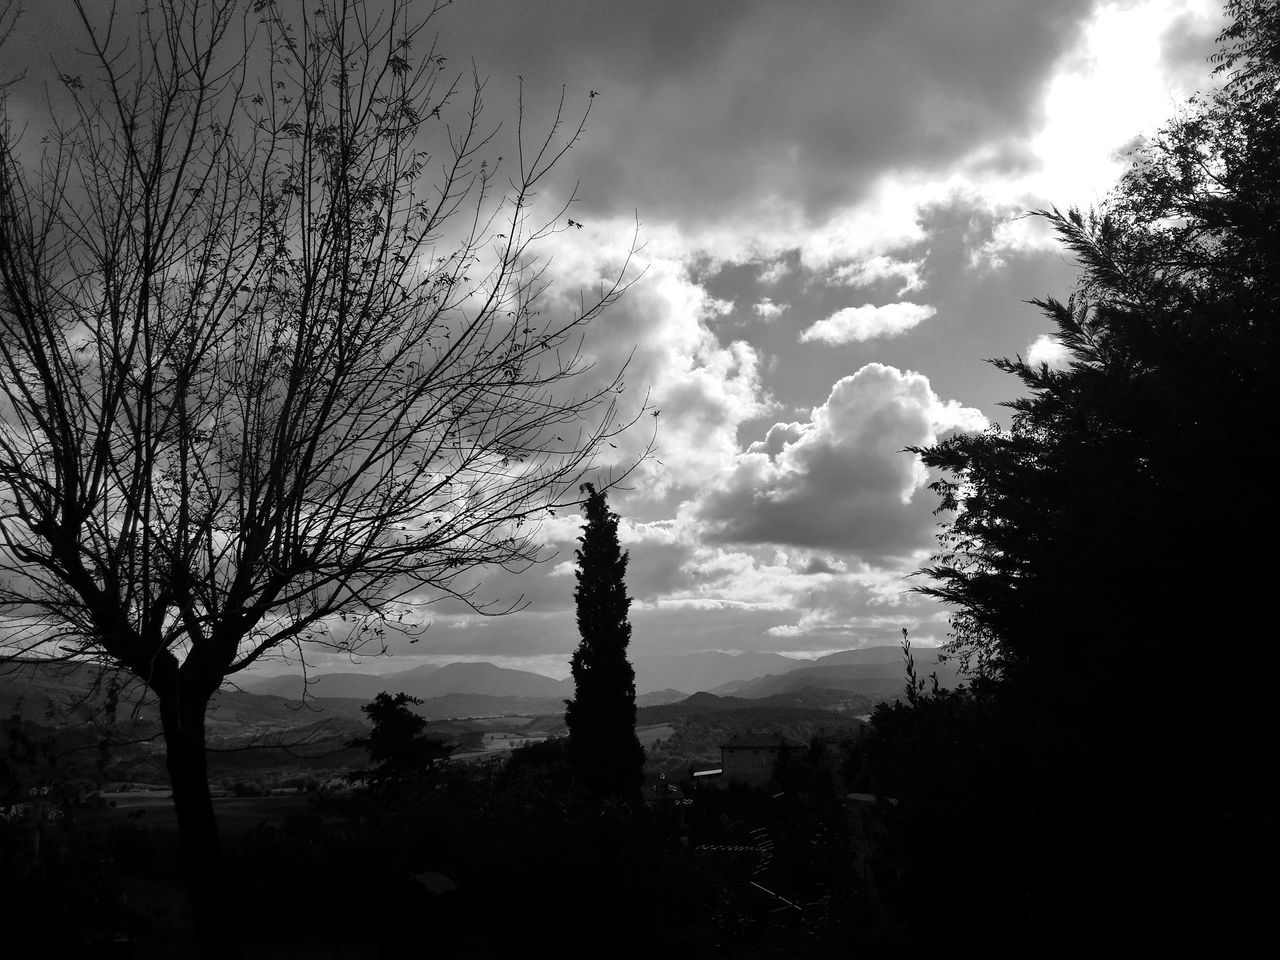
(851, 680)
(874, 671)
(424, 682)
(694, 672)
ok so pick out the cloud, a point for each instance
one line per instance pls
(1048, 350)
(776, 438)
(751, 101)
(817, 565)
(843, 481)
(777, 268)
(662, 330)
(877, 269)
(855, 324)
(769, 310)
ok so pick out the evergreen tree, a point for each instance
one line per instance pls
(1106, 537)
(396, 743)
(601, 717)
(1105, 540)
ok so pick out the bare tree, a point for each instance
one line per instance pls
(271, 358)
(9, 12)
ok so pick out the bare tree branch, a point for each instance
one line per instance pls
(272, 356)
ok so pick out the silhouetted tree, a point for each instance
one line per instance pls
(1104, 543)
(259, 379)
(1103, 539)
(395, 742)
(601, 717)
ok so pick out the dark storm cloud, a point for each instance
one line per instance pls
(715, 108)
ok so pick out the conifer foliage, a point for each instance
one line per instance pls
(1103, 546)
(601, 717)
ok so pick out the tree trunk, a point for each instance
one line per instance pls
(183, 721)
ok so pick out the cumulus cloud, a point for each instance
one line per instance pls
(776, 438)
(855, 324)
(1046, 349)
(662, 330)
(843, 482)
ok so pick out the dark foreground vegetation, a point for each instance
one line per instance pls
(505, 858)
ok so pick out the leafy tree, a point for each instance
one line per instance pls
(261, 379)
(607, 756)
(396, 743)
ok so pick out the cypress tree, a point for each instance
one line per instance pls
(601, 717)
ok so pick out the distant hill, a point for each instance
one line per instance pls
(61, 694)
(657, 697)
(874, 672)
(693, 672)
(809, 699)
(869, 656)
(233, 710)
(425, 682)
(483, 678)
(848, 681)
(458, 705)
(361, 686)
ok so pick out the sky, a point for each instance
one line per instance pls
(831, 201)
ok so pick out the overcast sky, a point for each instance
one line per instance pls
(829, 196)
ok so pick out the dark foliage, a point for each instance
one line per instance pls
(545, 766)
(396, 743)
(1113, 517)
(1104, 544)
(520, 850)
(601, 717)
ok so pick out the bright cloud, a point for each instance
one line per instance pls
(854, 324)
(769, 310)
(844, 481)
(1114, 87)
(880, 268)
(661, 330)
(1048, 350)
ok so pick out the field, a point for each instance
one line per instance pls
(657, 731)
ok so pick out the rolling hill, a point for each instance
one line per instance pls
(694, 672)
(873, 672)
(425, 682)
(805, 699)
(362, 686)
